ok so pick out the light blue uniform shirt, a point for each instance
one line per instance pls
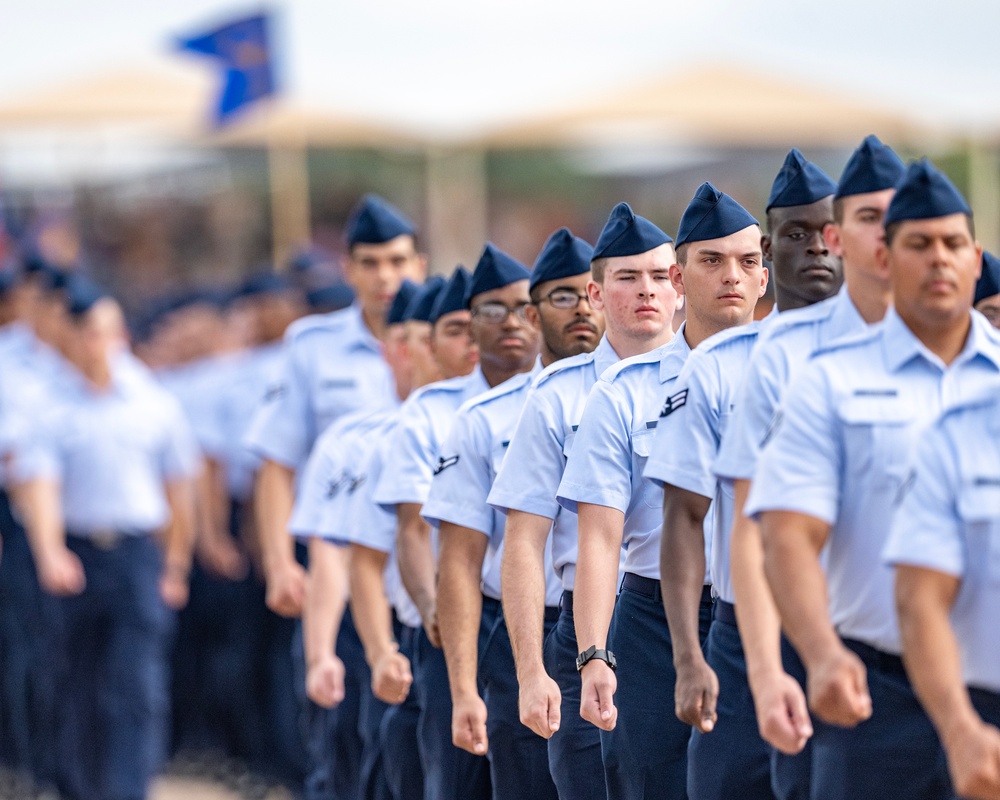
(111, 452)
(333, 366)
(783, 348)
(418, 441)
(949, 521)
(692, 428)
(840, 452)
(472, 455)
(530, 476)
(197, 385)
(332, 468)
(614, 442)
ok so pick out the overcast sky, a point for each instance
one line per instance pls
(458, 64)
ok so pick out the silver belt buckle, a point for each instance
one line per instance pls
(105, 539)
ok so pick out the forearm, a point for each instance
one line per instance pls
(325, 598)
(416, 558)
(273, 500)
(682, 569)
(756, 613)
(792, 543)
(178, 540)
(930, 649)
(369, 605)
(40, 506)
(460, 607)
(600, 544)
(522, 578)
(211, 502)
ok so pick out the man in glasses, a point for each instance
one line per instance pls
(472, 532)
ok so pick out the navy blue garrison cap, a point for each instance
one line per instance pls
(563, 256)
(873, 167)
(265, 283)
(8, 280)
(799, 183)
(374, 221)
(627, 234)
(333, 297)
(712, 214)
(82, 294)
(925, 193)
(454, 296)
(495, 270)
(420, 306)
(397, 311)
(989, 282)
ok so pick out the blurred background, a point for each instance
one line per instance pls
(479, 120)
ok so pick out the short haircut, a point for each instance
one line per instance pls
(682, 253)
(597, 268)
(838, 210)
(893, 228)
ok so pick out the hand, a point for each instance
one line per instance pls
(220, 556)
(174, 588)
(430, 621)
(468, 725)
(974, 761)
(325, 681)
(695, 694)
(391, 678)
(286, 588)
(782, 715)
(61, 573)
(539, 703)
(597, 692)
(838, 689)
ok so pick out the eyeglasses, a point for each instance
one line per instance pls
(565, 299)
(495, 312)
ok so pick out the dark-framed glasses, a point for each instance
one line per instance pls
(496, 312)
(565, 299)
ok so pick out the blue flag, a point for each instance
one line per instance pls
(243, 51)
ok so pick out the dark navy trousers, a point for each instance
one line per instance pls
(732, 760)
(645, 756)
(114, 697)
(791, 776)
(30, 626)
(575, 749)
(895, 753)
(519, 758)
(450, 773)
(400, 754)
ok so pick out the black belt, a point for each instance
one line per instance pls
(108, 538)
(551, 612)
(876, 659)
(650, 587)
(490, 604)
(566, 603)
(724, 612)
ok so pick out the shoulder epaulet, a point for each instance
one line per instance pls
(797, 317)
(612, 373)
(727, 336)
(563, 365)
(985, 396)
(446, 386)
(850, 341)
(509, 386)
(316, 323)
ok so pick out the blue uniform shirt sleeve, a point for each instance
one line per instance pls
(686, 440)
(406, 475)
(462, 479)
(759, 399)
(599, 467)
(282, 429)
(529, 478)
(322, 480)
(927, 526)
(801, 464)
(180, 457)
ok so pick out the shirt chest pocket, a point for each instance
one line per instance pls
(497, 456)
(336, 395)
(979, 510)
(878, 437)
(568, 443)
(642, 447)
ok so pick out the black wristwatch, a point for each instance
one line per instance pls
(591, 653)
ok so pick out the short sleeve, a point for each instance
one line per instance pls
(180, 456)
(801, 464)
(282, 429)
(406, 476)
(462, 479)
(599, 467)
(686, 440)
(927, 528)
(322, 481)
(529, 478)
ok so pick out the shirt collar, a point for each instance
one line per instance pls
(358, 334)
(677, 346)
(604, 356)
(901, 345)
(844, 315)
